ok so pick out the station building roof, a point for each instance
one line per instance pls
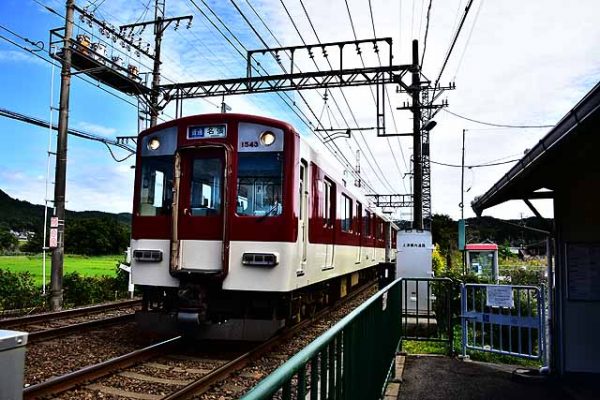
(571, 147)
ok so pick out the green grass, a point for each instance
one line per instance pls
(85, 266)
(423, 347)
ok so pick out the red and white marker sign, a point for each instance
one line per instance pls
(53, 222)
(53, 237)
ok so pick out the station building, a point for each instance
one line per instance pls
(565, 168)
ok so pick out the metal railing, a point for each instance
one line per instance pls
(352, 360)
(509, 322)
(427, 313)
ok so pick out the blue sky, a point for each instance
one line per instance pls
(515, 63)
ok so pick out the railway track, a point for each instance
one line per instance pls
(185, 375)
(51, 325)
(71, 313)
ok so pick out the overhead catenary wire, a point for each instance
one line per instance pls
(496, 124)
(453, 43)
(492, 164)
(293, 107)
(390, 187)
(380, 176)
(462, 55)
(389, 102)
(426, 34)
(264, 43)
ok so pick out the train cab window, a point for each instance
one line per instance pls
(205, 197)
(260, 179)
(156, 189)
(328, 211)
(346, 213)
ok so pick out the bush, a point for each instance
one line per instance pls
(17, 290)
(83, 290)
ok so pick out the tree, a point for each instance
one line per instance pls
(96, 236)
(35, 243)
(8, 241)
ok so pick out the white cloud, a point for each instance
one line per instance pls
(18, 57)
(526, 63)
(96, 129)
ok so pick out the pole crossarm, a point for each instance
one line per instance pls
(112, 31)
(283, 82)
(392, 200)
(163, 22)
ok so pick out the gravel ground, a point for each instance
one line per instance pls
(74, 352)
(242, 381)
(59, 356)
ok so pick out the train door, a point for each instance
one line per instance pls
(358, 231)
(303, 214)
(200, 219)
(329, 193)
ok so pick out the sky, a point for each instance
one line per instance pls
(515, 63)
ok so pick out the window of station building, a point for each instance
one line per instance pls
(328, 211)
(346, 213)
(259, 185)
(206, 187)
(156, 187)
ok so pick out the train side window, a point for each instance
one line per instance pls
(346, 213)
(367, 224)
(156, 189)
(301, 189)
(358, 217)
(328, 205)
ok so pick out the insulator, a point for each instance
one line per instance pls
(137, 53)
(189, 24)
(114, 38)
(176, 26)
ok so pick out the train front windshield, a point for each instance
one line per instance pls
(260, 177)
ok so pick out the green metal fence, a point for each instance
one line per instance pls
(352, 360)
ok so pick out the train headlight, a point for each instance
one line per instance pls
(267, 138)
(153, 144)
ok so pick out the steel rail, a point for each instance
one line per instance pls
(9, 322)
(38, 336)
(65, 382)
(201, 385)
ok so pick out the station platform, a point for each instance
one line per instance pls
(440, 377)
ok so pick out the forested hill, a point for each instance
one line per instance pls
(503, 232)
(21, 215)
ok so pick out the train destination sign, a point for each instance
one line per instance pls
(207, 132)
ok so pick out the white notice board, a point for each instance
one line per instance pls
(583, 271)
(499, 296)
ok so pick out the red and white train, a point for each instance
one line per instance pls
(239, 226)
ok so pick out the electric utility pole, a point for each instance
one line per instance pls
(160, 24)
(417, 141)
(60, 179)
